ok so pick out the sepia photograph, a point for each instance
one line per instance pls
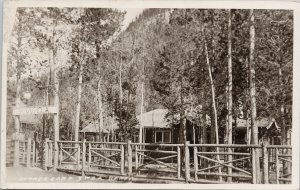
(109, 94)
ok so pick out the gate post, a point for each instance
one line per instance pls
(83, 157)
(122, 159)
(265, 163)
(196, 162)
(254, 167)
(187, 161)
(28, 152)
(129, 158)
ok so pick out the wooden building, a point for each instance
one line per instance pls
(158, 129)
(268, 130)
(93, 132)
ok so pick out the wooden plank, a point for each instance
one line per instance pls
(224, 174)
(287, 160)
(60, 154)
(159, 151)
(225, 153)
(226, 145)
(106, 149)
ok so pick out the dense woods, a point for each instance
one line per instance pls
(197, 63)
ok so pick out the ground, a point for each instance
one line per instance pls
(35, 175)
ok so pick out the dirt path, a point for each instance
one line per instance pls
(37, 175)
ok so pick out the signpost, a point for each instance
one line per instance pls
(34, 110)
(17, 111)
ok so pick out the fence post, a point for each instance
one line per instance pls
(265, 163)
(122, 159)
(51, 153)
(83, 157)
(28, 152)
(187, 161)
(276, 166)
(60, 148)
(129, 158)
(136, 158)
(78, 156)
(254, 172)
(196, 162)
(46, 154)
(33, 153)
(24, 152)
(178, 162)
(90, 157)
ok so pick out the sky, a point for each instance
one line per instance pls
(130, 16)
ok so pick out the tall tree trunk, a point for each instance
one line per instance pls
(213, 98)
(100, 110)
(121, 99)
(79, 93)
(229, 124)
(142, 106)
(254, 127)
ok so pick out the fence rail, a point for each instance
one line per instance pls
(192, 163)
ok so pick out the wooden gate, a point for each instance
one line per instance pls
(223, 163)
(157, 161)
(106, 157)
(69, 154)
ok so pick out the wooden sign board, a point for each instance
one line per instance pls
(34, 110)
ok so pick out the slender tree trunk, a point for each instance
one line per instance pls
(100, 110)
(215, 116)
(142, 106)
(254, 127)
(121, 99)
(229, 124)
(78, 106)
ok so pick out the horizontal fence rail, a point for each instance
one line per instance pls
(190, 163)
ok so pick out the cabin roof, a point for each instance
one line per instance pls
(93, 127)
(261, 122)
(154, 119)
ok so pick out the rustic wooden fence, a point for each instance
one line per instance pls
(190, 163)
(27, 152)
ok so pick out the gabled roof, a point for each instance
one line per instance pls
(154, 119)
(261, 122)
(93, 126)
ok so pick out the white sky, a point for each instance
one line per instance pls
(130, 15)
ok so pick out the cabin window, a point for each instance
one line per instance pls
(162, 136)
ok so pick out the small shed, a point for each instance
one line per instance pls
(268, 130)
(92, 131)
